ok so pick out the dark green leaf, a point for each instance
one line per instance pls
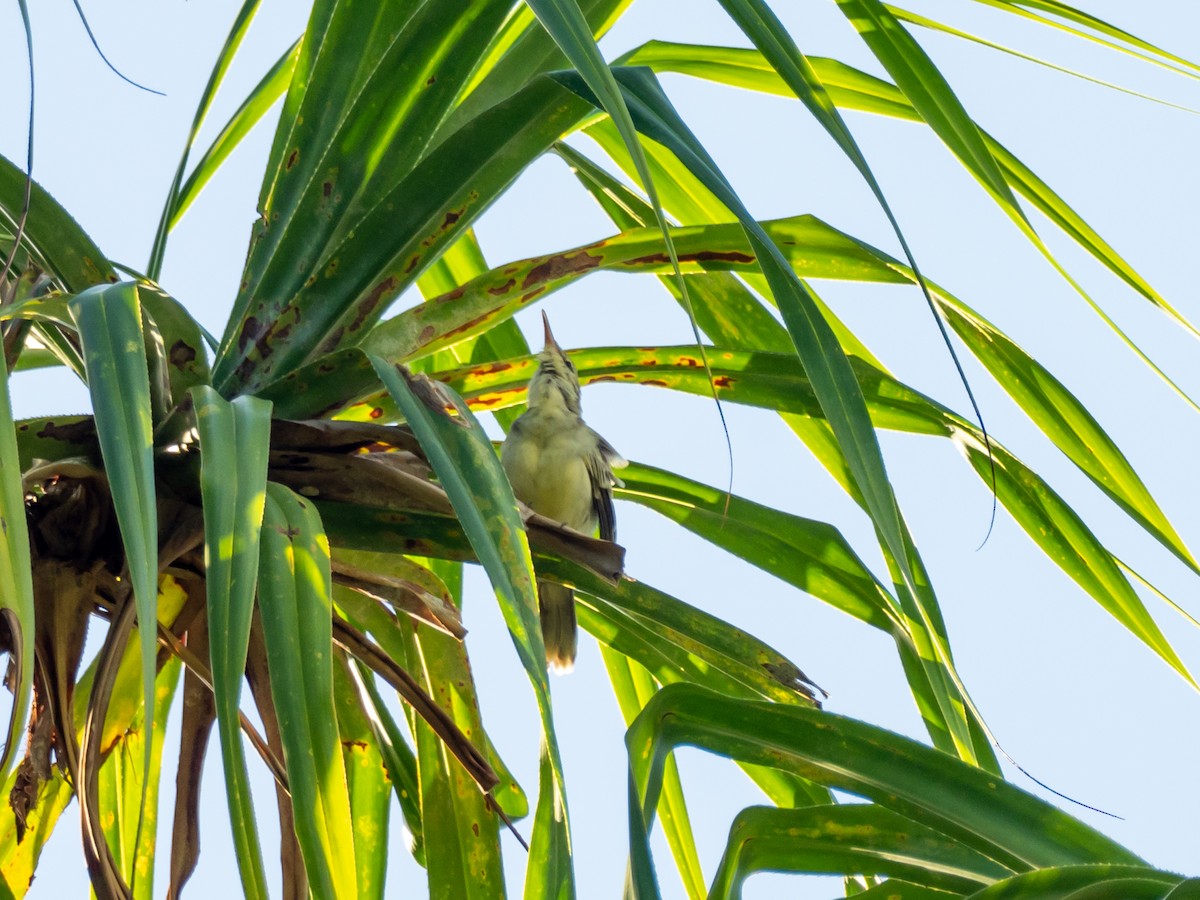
(294, 597)
(234, 437)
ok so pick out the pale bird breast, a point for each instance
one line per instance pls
(547, 470)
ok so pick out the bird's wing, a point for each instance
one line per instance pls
(600, 465)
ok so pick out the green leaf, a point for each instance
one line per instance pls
(835, 387)
(799, 551)
(521, 50)
(367, 782)
(241, 24)
(401, 765)
(851, 88)
(256, 105)
(55, 239)
(16, 582)
(633, 686)
(459, 832)
(347, 169)
(675, 640)
(1120, 39)
(294, 597)
(935, 790)
(913, 19)
(469, 471)
(475, 307)
(1067, 540)
(1095, 882)
(931, 96)
(806, 553)
(1067, 423)
(109, 322)
(862, 839)
(234, 438)
(121, 789)
(896, 889)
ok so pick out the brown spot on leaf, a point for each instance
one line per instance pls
(252, 330)
(602, 378)
(427, 334)
(451, 217)
(688, 361)
(412, 263)
(71, 433)
(497, 290)
(431, 81)
(292, 157)
(491, 369)
(371, 301)
(244, 369)
(182, 354)
(327, 189)
(722, 381)
(375, 413)
(654, 382)
(473, 323)
(735, 257)
(494, 398)
(561, 265)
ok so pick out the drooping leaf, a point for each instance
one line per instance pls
(367, 781)
(469, 470)
(234, 438)
(1096, 882)
(858, 838)
(16, 582)
(348, 170)
(294, 591)
(931, 788)
(121, 790)
(633, 686)
(195, 729)
(109, 322)
(57, 242)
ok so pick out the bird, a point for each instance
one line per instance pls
(562, 469)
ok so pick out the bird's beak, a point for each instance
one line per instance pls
(551, 343)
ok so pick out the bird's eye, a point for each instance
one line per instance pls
(570, 365)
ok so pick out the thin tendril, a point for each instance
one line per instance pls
(96, 44)
(1043, 784)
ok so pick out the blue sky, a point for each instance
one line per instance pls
(1073, 697)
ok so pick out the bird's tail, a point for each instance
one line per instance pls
(559, 630)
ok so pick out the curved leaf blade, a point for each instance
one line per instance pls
(234, 437)
(60, 245)
(469, 470)
(109, 322)
(862, 839)
(1096, 882)
(16, 581)
(294, 591)
(932, 788)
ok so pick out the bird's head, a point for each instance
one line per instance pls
(555, 383)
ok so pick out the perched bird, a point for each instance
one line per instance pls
(561, 468)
